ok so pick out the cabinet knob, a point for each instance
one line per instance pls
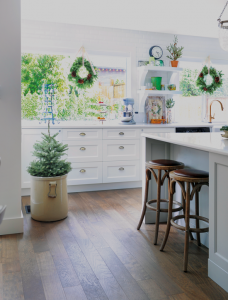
(59, 130)
(82, 134)
(82, 148)
(82, 170)
(121, 168)
(121, 133)
(121, 147)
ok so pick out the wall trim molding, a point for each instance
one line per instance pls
(217, 274)
(12, 225)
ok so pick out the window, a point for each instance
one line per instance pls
(188, 106)
(72, 103)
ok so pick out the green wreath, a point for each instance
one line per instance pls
(216, 83)
(82, 83)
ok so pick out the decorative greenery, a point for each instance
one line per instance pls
(49, 151)
(224, 128)
(217, 80)
(175, 52)
(82, 83)
(170, 103)
(29, 106)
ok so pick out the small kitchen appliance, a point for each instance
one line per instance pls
(127, 117)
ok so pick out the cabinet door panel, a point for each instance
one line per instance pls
(85, 173)
(81, 134)
(119, 171)
(84, 151)
(121, 133)
(120, 150)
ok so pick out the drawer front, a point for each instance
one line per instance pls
(120, 150)
(85, 173)
(119, 171)
(121, 133)
(158, 129)
(81, 134)
(84, 151)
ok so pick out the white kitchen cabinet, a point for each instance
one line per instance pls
(84, 151)
(121, 133)
(119, 171)
(81, 134)
(28, 139)
(85, 173)
(120, 150)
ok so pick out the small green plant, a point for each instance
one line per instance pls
(49, 152)
(175, 52)
(224, 128)
(170, 103)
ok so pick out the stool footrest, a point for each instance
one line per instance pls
(197, 230)
(180, 207)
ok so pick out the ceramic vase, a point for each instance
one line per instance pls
(169, 116)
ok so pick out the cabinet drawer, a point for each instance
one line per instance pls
(81, 134)
(119, 171)
(121, 133)
(84, 151)
(85, 173)
(120, 150)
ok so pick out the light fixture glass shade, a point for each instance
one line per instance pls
(223, 37)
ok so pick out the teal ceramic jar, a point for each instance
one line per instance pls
(156, 81)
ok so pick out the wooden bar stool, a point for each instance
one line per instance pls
(195, 178)
(167, 166)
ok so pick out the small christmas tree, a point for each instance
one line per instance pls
(49, 151)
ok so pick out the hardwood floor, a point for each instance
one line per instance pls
(97, 253)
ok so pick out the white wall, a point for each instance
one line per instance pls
(50, 37)
(10, 115)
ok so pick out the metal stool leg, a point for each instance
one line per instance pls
(145, 199)
(158, 207)
(187, 212)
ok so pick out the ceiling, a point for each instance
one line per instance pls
(192, 17)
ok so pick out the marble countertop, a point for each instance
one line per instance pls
(210, 141)
(112, 124)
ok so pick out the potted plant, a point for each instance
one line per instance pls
(49, 201)
(225, 129)
(169, 105)
(175, 52)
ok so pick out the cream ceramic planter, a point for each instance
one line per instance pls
(49, 200)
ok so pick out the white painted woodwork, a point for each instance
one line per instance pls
(84, 151)
(121, 133)
(120, 150)
(81, 134)
(154, 130)
(118, 171)
(85, 173)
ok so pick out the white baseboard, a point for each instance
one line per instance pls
(95, 187)
(12, 226)
(217, 274)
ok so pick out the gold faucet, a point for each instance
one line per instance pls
(210, 116)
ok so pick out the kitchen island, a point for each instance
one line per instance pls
(208, 152)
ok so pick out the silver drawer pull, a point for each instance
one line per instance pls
(121, 168)
(82, 170)
(121, 147)
(82, 148)
(121, 133)
(82, 134)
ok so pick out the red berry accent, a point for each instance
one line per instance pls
(73, 74)
(81, 81)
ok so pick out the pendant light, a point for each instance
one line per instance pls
(223, 31)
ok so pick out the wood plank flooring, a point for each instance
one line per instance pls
(97, 253)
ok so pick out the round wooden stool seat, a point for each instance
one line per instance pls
(193, 174)
(164, 164)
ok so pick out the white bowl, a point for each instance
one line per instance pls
(125, 119)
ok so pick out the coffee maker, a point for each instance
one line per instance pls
(127, 117)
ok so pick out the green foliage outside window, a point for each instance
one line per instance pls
(188, 83)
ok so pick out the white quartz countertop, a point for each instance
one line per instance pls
(113, 124)
(209, 141)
